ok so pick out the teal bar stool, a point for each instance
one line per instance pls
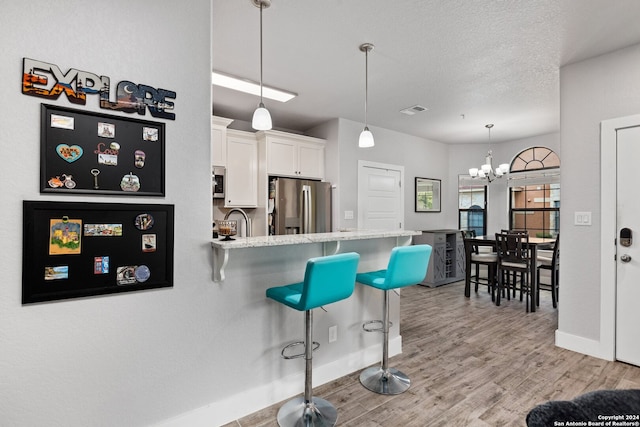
(327, 280)
(407, 266)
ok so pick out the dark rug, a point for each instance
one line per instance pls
(620, 407)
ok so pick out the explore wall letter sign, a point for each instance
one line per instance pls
(47, 81)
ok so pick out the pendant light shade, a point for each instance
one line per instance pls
(261, 117)
(366, 137)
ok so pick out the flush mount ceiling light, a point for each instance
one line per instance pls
(261, 117)
(366, 137)
(252, 88)
(486, 171)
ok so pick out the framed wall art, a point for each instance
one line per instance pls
(87, 152)
(427, 195)
(73, 250)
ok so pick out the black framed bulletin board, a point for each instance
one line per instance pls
(75, 249)
(86, 152)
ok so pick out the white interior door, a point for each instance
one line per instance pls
(628, 257)
(380, 196)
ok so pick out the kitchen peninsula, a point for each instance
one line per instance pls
(330, 241)
(244, 268)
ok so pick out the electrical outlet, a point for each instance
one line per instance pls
(333, 333)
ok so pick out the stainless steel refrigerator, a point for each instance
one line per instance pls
(298, 206)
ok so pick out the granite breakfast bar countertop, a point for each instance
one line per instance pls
(331, 243)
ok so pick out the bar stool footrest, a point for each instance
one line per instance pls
(367, 328)
(316, 345)
(298, 412)
(391, 381)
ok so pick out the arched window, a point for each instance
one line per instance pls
(534, 184)
(535, 158)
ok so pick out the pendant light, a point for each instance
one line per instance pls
(366, 137)
(261, 117)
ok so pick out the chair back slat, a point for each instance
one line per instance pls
(512, 247)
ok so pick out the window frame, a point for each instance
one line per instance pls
(468, 210)
(531, 170)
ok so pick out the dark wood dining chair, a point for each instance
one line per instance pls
(511, 283)
(513, 257)
(553, 265)
(479, 258)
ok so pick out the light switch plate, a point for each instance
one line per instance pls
(582, 218)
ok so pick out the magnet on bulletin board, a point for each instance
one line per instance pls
(139, 157)
(130, 182)
(142, 273)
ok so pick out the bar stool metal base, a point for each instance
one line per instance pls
(391, 381)
(298, 413)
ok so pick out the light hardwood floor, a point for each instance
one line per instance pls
(471, 364)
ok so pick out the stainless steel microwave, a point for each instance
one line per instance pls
(217, 177)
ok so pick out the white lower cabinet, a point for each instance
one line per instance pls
(241, 182)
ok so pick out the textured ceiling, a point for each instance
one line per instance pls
(470, 62)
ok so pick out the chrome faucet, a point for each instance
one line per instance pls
(247, 220)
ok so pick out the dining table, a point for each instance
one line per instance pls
(534, 244)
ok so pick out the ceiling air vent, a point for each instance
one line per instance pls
(413, 110)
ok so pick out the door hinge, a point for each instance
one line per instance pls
(400, 225)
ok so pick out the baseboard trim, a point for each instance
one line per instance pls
(583, 345)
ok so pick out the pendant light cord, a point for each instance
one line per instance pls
(261, 7)
(366, 85)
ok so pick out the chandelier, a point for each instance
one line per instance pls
(486, 171)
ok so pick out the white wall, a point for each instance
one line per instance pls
(130, 359)
(591, 91)
(420, 158)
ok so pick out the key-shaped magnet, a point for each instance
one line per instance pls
(95, 173)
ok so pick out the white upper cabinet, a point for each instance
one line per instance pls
(291, 155)
(241, 181)
(219, 140)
